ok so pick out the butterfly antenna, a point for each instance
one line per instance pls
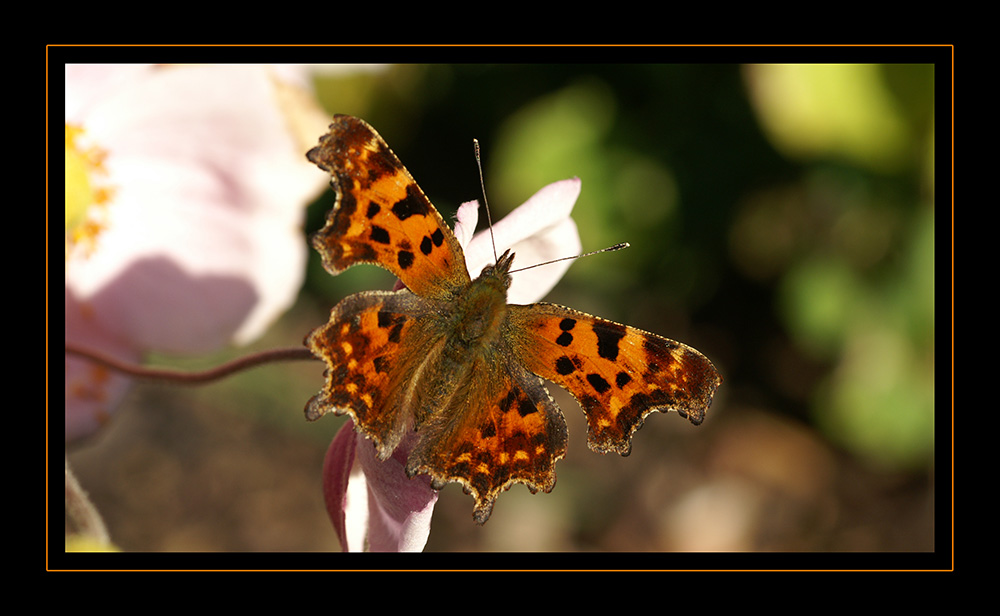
(482, 184)
(608, 249)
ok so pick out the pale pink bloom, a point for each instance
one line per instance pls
(374, 502)
(198, 242)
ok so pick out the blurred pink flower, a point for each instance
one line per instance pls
(185, 194)
(373, 504)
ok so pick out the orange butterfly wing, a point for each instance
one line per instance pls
(368, 338)
(618, 374)
(381, 216)
(508, 430)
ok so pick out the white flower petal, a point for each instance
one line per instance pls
(209, 188)
(201, 244)
(466, 220)
(539, 230)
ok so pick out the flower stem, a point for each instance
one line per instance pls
(192, 378)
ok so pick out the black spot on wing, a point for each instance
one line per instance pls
(380, 235)
(405, 259)
(414, 204)
(598, 383)
(393, 322)
(564, 366)
(608, 336)
(384, 319)
(506, 402)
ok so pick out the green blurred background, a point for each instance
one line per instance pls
(781, 219)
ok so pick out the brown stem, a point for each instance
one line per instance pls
(192, 378)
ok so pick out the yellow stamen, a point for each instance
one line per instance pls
(86, 194)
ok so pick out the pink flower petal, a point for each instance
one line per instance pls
(400, 507)
(209, 188)
(337, 467)
(466, 219)
(92, 391)
(373, 504)
(202, 245)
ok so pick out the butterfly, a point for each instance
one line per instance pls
(449, 358)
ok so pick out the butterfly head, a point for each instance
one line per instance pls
(500, 271)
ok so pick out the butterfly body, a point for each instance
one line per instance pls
(479, 311)
(449, 359)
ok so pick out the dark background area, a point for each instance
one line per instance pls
(782, 221)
